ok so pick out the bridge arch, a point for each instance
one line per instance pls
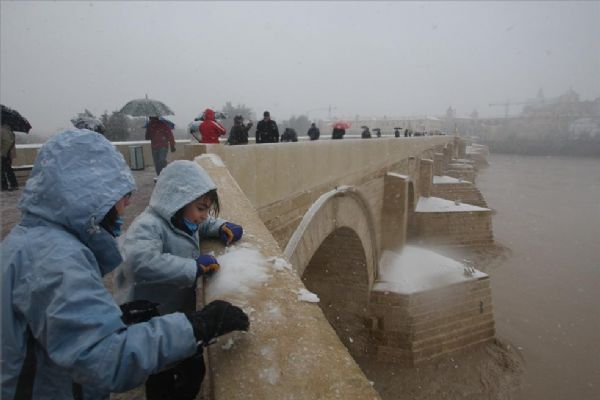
(344, 207)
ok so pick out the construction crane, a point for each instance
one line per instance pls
(513, 103)
(330, 108)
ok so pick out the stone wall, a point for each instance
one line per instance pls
(466, 192)
(452, 228)
(412, 328)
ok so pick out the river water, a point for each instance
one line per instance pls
(546, 293)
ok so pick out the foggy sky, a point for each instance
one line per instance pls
(363, 58)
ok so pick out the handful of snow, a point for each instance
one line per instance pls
(242, 271)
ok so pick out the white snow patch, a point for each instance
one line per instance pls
(447, 179)
(271, 375)
(243, 270)
(228, 344)
(415, 269)
(397, 175)
(280, 264)
(215, 159)
(308, 296)
(436, 204)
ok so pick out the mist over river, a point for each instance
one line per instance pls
(546, 293)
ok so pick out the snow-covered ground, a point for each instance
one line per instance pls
(415, 269)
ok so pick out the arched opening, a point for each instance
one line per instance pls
(337, 273)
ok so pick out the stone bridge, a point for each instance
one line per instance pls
(332, 209)
(324, 214)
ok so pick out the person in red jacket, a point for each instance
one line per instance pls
(161, 137)
(210, 130)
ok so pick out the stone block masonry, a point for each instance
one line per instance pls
(451, 228)
(410, 329)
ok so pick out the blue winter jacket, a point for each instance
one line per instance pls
(160, 259)
(52, 289)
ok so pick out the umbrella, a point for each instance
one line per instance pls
(218, 115)
(87, 120)
(15, 120)
(170, 123)
(146, 108)
(341, 125)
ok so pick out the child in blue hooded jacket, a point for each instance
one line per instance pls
(162, 246)
(162, 259)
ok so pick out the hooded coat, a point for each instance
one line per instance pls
(160, 258)
(54, 303)
(210, 130)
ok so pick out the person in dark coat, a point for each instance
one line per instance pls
(238, 134)
(365, 134)
(405, 132)
(338, 133)
(377, 132)
(313, 132)
(7, 147)
(397, 132)
(267, 130)
(289, 135)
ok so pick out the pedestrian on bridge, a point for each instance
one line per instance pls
(8, 150)
(313, 132)
(161, 138)
(238, 134)
(289, 135)
(210, 129)
(162, 252)
(267, 130)
(365, 134)
(63, 335)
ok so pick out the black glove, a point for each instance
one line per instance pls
(217, 318)
(137, 311)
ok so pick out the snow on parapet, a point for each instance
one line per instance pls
(436, 204)
(243, 270)
(447, 179)
(215, 159)
(415, 269)
(308, 296)
(397, 175)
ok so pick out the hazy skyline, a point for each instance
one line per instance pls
(363, 58)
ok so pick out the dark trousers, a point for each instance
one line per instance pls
(182, 382)
(160, 158)
(8, 175)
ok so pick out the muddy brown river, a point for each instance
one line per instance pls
(547, 292)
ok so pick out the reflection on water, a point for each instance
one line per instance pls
(547, 292)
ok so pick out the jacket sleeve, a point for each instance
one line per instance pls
(170, 137)
(143, 252)
(259, 133)
(210, 227)
(275, 131)
(77, 323)
(218, 128)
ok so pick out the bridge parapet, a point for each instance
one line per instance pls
(290, 350)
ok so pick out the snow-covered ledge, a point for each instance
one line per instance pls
(290, 351)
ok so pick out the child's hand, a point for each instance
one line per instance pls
(230, 232)
(207, 265)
